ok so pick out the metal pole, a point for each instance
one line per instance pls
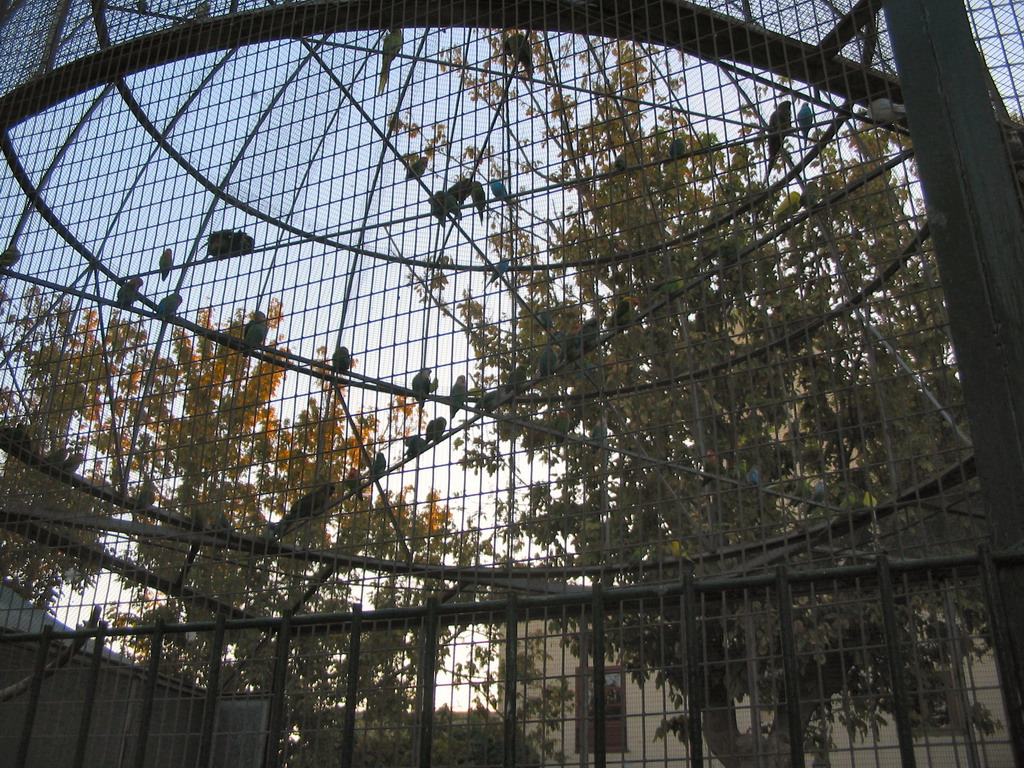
(694, 681)
(600, 701)
(276, 716)
(35, 688)
(511, 680)
(348, 734)
(149, 694)
(212, 693)
(978, 230)
(894, 657)
(91, 684)
(790, 671)
(428, 683)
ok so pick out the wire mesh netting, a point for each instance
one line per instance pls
(309, 305)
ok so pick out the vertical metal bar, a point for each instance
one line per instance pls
(583, 715)
(91, 684)
(156, 643)
(34, 691)
(212, 693)
(978, 229)
(789, 668)
(428, 661)
(275, 719)
(597, 650)
(348, 734)
(694, 683)
(511, 680)
(1007, 662)
(894, 657)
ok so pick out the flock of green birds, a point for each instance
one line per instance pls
(446, 204)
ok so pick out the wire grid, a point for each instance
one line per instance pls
(676, 356)
(518, 682)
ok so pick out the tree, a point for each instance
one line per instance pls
(194, 422)
(723, 400)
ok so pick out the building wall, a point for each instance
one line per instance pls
(647, 707)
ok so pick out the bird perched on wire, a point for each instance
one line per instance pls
(500, 269)
(414, 446)
(479, 197)
(805, 119)
(415, 166)
(309, 505)
(255, 330)
(677, 149)
(548, 361)
(422, 386)
(443, 204)
(390, 48)
(435, 429)
(461, 189)
(499, 190)
(625, 312)
(378, 467)
(129, 293)
(885, 111)
(225, 243)
(166, 262)
(458, 395)
(341, 361)
(790, 204)
(168, 305)
(10, 256)
(517, 47)
(779, 124)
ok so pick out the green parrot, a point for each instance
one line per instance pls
(517, 378)
(435, 429)
(62, 461)
(443, 204)
(517, 46)
(572, 345)
(599, 433)
(391, 47)
(479, 197)
(341, 361)
(461, 190)
(352, 482)
(458, 395)
(255, 330)
(168, 305)
(548, 361)
(16, 437)
(561, 423)
(379, 467)
(590, 334)
(414, 446)
(790, 204)
(677, 149)
(490, 400)
(146, 497)
(422, 386)
(307, 506)
(10, 257)
(415, 166)
(625, 312)
(128, 293)
(779, 125)
(166, 262)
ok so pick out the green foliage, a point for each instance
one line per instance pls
(739, 367)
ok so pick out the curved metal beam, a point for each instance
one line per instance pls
(684, 25)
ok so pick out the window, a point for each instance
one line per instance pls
(615, 708)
